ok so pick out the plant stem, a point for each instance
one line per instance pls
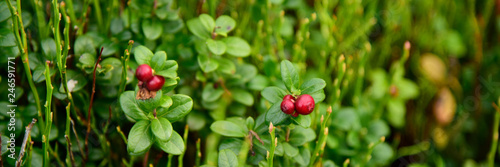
(274, 143)
(125, 58)
(323, 134)
(48, 116)
(170, 157)
(494, 143)
(23, 49)
(198, 152)
(181, 157)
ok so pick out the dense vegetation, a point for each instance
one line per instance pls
(387, 82)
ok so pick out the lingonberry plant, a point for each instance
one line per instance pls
(249, 83)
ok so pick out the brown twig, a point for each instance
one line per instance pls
(90, 108)
(71, 156)
(495, 106)
(256, 136)
(76, 136)
(145, 162)
(26, 137)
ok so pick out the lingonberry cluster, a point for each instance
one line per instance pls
(145, 74)
(304, 105)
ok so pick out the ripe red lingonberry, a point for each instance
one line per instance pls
(155, 83)
(295, 114)
(304, 104)
(287, 105)
(144, 73)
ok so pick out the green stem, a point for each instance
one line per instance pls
(181, 157)
(125, 58)
(494, 144)
(198, 152)
(323, 135)
(274, 143)
(67, 133)
(170, 157)
(98, 14)
(48, 116)
(23, 49)
(242, 156)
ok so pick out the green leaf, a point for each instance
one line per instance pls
(258, 83)
(382, 153)
(290, 150)
(396, 111)
(202, 26)
(76, 81)
(346, 119)
(227, 128)
(227, 158)
(84, 44)
(130, 107)
(210, 94)
(5, 13)
(273, 94)
(49, 48)
(181, 106)
(162, 128)
(226, 66)
(234, 144)
(151, 29)
(312, 85)
(216, 47)
(174, 146)
(206, 63)
(304, 157)
(87, 60)
(140, 138)
(7, 38)
(237, 47)
(318, 96)
(289, 75)
(142, 55)
(303, 120)
(250, 122)
(158, 60)
(275, 115)
(299, 136)
(407, 89)
(168, 70)
(242, 96)
(224, 24)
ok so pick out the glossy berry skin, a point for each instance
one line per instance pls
(287, 105)
(304, 104)
(295, 114)
(155, 83)
(144, 73)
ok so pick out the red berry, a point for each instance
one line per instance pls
(289, 97)
(155, 83)
(295, 114)
(304, 104)
(287, 105)
(144, 72)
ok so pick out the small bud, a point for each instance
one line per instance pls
(407, 45)
(267, 155)
(322, 119)
(382, 139)
(329, 110)
(313, 16)
(282, 13)
(326, 131)
(271, 127)
(276, 141)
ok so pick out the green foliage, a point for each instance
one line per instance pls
(391, 80)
